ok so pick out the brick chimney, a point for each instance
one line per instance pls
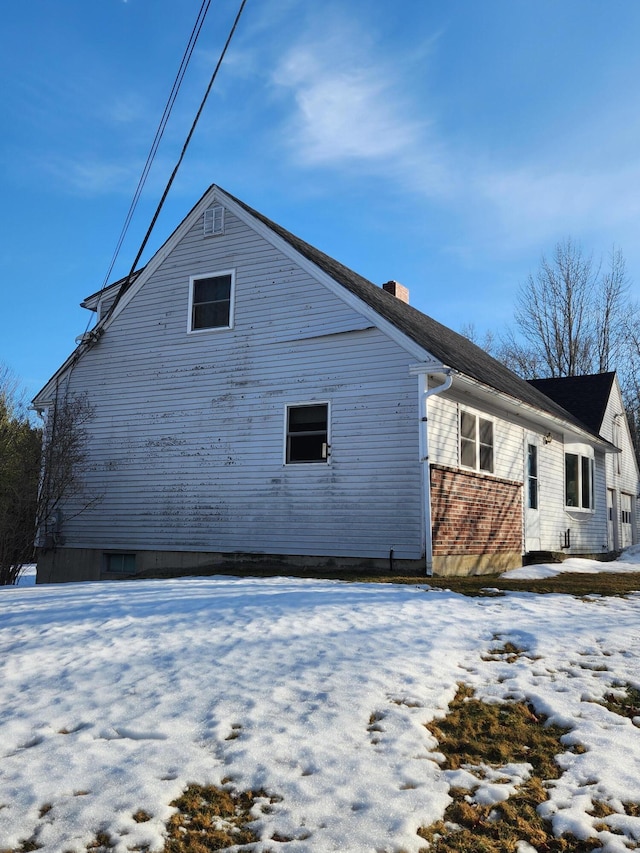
(398, 290)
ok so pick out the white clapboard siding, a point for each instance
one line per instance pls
(621, 469)
(187, 440)
(444, 435)
(587, 529)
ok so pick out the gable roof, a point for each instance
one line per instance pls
(586, 397)
(450, 348)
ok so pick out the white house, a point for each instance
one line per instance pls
(256, 401)
(597, 401)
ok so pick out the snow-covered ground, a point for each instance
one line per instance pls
(628, 562)
(115, 696)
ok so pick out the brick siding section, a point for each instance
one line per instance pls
(473, 513)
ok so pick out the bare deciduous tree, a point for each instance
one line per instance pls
(487, 342)
(20, 446)
(612, 313)
(574, 317)
(631, 374)
(64, 463)
(38, 477)
(556, 312)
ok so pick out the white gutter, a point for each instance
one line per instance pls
(422, 371)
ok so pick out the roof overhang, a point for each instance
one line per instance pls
(518, 410)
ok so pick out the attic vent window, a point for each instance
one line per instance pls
(214, 221)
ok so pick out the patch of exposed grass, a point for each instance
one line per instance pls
(101, 844)
(625, 704)
(607, 583)
(26, 847)
(211, 818)
(475, 732)
(508, 652)
(476, 735)
(141, 816)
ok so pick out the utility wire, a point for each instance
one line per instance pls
(126, 284)
(186, 57)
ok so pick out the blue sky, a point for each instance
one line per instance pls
(443, 144)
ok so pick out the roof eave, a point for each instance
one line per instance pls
(518, 407)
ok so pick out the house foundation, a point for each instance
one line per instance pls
(70, 565)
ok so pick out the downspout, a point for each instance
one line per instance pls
(425, 393)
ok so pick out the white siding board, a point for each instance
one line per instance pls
(188, 439)
(444, 435)
(621, 470)
(587, 529)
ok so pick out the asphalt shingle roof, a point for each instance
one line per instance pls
(586, 397)
(451, 348)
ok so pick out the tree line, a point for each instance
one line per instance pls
(574, 316)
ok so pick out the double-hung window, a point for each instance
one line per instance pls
(476, 442)
(307, 433)
(211, 301)
(578, 481)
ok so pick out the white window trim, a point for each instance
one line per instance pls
(592, 475)
(232, 300)
(298, 405)
(478, 416)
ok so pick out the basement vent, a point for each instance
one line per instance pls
(214, 221)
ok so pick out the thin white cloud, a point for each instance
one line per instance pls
(343, 114)
(349, 105)
(536, 203)
(93, 177)
(352, 108)
(126, 108)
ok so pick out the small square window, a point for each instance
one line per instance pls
(211, 302)
(308, 433)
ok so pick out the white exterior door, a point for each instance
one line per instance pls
(531, 496)
(612, 519)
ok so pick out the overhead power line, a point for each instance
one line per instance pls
(127, 282)
(186, 57)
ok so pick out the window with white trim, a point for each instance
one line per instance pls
(307, 433)
(578, 481)
(211, 301)
(476, 442)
